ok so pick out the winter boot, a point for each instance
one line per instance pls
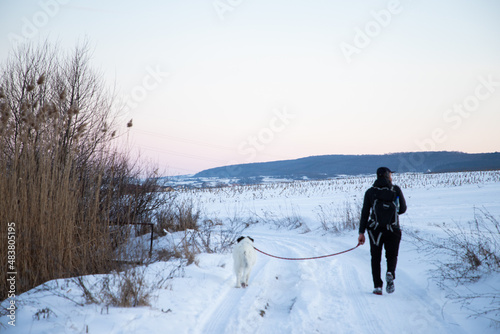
(390, 283)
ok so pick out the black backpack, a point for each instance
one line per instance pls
(384, 210)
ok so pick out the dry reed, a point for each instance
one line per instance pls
(61, 183)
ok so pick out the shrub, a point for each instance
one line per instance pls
(466, 253)
(132, 287)
(465, 256)
(339, 218)
(175, 217)
(126, 289)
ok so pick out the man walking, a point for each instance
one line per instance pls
(382, 204)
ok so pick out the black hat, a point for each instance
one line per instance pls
(383, 171)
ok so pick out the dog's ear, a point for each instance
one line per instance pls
(250, 238)
(240, 238)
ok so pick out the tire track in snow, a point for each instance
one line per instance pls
(279, 281)
(358, 300)
(387, 313)
(330, 291)
(426, 315)
(409, 310)
(329, 305)
(225, 314)
(316, 302)
(296, 296)
(265, 304)
(216, 321)
(283, 285)
(317, 295)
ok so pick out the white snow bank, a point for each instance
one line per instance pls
(331, 295)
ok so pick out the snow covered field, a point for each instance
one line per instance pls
(330, 295)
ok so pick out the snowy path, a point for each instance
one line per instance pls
(331, 295)
(320, 296)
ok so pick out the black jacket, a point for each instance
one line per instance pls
(370, 197)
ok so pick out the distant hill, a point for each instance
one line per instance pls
(325, 166)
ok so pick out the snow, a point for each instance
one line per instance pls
(330, 295)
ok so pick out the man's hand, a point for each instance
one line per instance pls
(361, 238)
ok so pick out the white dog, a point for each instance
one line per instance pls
(244, 257)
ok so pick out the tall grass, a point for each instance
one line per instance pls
(61, 182)
(336, 218)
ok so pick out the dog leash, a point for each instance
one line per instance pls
(306, 258)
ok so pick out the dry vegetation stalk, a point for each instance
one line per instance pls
(61, 182)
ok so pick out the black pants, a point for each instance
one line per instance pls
(390, 241)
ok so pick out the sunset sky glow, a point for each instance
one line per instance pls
(217, 82)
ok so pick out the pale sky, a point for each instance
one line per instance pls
(217, 82)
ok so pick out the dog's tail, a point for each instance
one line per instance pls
(245, 259)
